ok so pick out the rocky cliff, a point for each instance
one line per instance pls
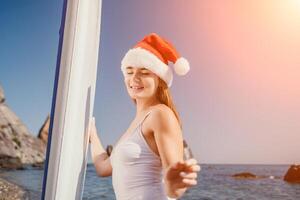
(18, 147)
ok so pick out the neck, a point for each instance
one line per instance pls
(143, 105)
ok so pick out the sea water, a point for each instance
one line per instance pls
(214, 182)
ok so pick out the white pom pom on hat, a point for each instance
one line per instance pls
(154, 53)
(181, 66)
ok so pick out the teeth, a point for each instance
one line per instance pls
(136, 87)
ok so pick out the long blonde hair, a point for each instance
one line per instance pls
(164, 96)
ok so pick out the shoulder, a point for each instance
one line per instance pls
(163, 117)
(162, 110)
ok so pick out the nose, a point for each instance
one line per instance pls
(136, 77)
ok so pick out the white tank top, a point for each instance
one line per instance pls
(136, 169)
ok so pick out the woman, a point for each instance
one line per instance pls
(147, 161)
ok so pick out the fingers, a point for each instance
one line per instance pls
(93, 125)
(183, 173)
(195, 168)
(189, 182)
(91, 129)
(192, 175)
(191, 161)
(187, 165)
(189, 179)
(191, 165)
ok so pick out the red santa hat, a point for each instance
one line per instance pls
(153, 53)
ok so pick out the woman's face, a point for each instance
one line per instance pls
(140, 82)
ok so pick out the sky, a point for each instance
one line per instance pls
(239, 104)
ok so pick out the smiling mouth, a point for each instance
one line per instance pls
(136, 87)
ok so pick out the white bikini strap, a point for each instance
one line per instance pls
(145, 117)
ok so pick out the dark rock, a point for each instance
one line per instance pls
(245, 175)
(10, 162)
(2, 97)
(43, 133)
(38, 165)
(293, 174)
(109, 149)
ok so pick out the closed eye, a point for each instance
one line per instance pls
(145, 72)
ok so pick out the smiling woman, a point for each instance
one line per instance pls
(144, 163)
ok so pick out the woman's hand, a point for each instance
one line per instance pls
(182, 175)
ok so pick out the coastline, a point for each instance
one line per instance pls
(11, 191)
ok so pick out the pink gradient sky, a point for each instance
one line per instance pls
(246, 80)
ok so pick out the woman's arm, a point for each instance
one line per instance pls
(99, 156)
(169, 140)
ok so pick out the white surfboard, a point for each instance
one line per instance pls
(73, 100)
